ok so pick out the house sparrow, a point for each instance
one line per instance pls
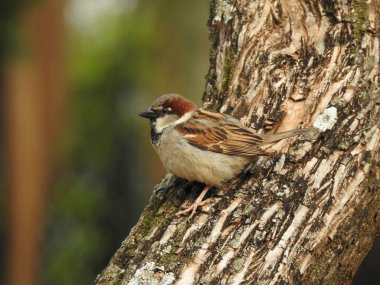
(204, 146)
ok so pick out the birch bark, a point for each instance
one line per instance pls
(307, 215)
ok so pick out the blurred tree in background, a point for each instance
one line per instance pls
(8, 34)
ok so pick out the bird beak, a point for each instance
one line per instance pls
(148, 113)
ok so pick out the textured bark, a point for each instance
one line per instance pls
(309, 213)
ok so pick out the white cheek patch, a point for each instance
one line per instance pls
(184, 118)
(171, 120)
(164, 122)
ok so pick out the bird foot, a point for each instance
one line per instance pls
(199, 202)
(193, 207)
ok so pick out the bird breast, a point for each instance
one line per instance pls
(193, 164)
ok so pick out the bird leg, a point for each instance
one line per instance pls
(197, 203)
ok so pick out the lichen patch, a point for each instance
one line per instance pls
(151, 274)
(327, 119)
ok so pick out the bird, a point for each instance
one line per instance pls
(205, 146)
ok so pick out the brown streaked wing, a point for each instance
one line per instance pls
(215, 132)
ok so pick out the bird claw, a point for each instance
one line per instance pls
(192, 208)
(199, 202)
(196, 204)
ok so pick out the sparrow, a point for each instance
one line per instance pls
(205, 146)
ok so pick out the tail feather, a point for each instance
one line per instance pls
(308, 133)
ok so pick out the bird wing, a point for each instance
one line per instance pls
(220, 133)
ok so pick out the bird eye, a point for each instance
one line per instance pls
(166, 110)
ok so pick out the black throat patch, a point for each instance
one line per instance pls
(154, 135)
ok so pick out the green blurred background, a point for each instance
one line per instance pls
(121, 55)
(120, 58)
(75, 74)
(117, 57)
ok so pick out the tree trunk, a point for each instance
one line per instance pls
(309, 213)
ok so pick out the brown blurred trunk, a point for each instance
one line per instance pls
(308, 215)
(33, 102)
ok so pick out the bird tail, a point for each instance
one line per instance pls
(308, 134)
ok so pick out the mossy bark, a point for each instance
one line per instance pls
(309, 213)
